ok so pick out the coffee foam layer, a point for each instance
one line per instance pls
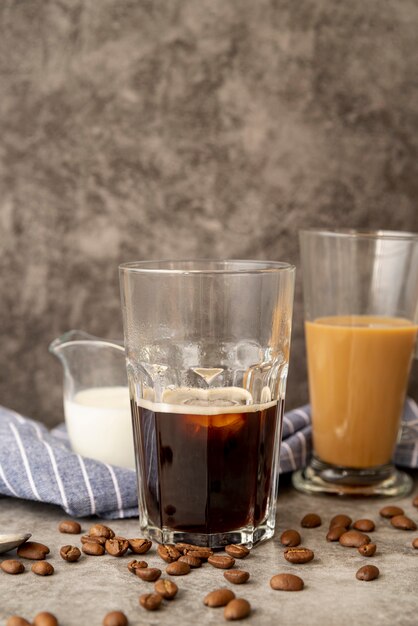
(216, 401)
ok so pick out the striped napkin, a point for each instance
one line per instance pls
(38, 464)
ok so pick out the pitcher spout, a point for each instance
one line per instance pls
(81, 339)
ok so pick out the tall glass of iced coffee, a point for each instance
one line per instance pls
(361, 299)
(207, 347)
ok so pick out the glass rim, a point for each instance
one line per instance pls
(179, 267)
(353, 233)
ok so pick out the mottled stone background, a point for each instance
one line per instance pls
(133, 129)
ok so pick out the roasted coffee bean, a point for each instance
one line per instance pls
(200, 553)
(118, 546)
(391, 511)
(368, 549)
(237, 551)
(150, 601)
(353, 539)
(237, 609)
(367, 572)
(115, 618)
(290, 538)
(166, 588)
(236, 576)
(415, 543)
(190, 560)
(15, 620)
(221, 562)
(335, 533)
(415, 501)
(70, 527)
(168, 553)
(403, 523)
(88, 539)
(33, 550)
(12, 566)
(139, 546)
(150, 574)
(286, 582)
(365, 525)
(298, 555)
(341, 520)
(99, 530)
(70, 553)
(311, 520)
(93, 549)
(177, 568)
(45, 619)
(43, 568)
(134, 565)
(219, 597)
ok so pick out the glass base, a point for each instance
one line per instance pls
(248, 536)
(319, 477)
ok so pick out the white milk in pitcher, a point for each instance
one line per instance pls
(99, 425)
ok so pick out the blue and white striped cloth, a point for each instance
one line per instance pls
(38, 464)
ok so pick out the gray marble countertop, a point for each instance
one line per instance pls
(82, 593)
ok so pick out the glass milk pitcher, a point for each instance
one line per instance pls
(96, 397)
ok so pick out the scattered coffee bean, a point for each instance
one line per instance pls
(99, 530)
(42, 568)
(236, 576)
(415, 501)
(134, 565)
(311, 520)
(168, 553)
(118, 546)
(115, 618)
(182, 547)
(286, 582)
(150, 601)
(341, 520)
(200, 553)
(177, 568)
(70, 527)
(391, 511)
(93, 549)
(368, 549)
(88, 539)
(15, 620)
(70, 553)
(12, 566)
(219, 597)
(237, 551)
(190, 560)
(237, 609)
(402, 522)
(45, 619)
(415, 543)
(335, 533)
(221, 562)
(150, 574)
(367, 572)
(365, 525)
(290, 538)
(298, 555)
(166, 588)
(353, 539)
(139, 546)
(33, 550)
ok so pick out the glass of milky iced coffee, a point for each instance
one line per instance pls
(207, 348)
(361, 298)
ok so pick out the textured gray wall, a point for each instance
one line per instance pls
(138, 129)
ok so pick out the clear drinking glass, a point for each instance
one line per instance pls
(361, 298)
(207, 346)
